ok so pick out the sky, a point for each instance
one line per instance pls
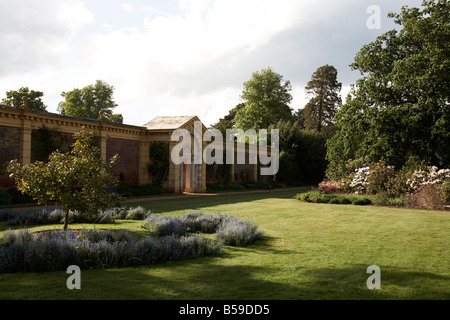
(182, 57)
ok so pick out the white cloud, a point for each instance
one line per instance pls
(190, 60)
(36, 33)
(152, 10)
(127, 7)
(186, 61)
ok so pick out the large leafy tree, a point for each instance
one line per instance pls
(14, 98)
(266, 96)
(78, 180)
(93, 101)
(323, 88)
(399, 110)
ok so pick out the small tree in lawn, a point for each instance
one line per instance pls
(78, 179)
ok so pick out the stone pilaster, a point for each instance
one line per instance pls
(173, 178)
(25, 141)
(144, 148)
(255, 172)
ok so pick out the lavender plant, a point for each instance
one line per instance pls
(230, 230)
(172, 238)
(25, 251)
(43, 216)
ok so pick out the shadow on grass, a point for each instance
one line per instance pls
(231, 276)
(202, 201)
(209, 279)
(396, 283)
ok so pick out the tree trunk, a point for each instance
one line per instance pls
(66, 218)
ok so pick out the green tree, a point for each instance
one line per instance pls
(302, 154)
(78, 179)
(266, 96)
(93, 101)
(299, 116)
(323, 88)
(14, 98)
(399, 110)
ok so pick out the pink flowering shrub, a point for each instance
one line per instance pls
(329, 186)
(379, 175)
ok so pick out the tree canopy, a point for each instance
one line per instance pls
(78, 179)
(33, 99)
(93, 101)
(323, 88)
(266, 97)
(399, 110)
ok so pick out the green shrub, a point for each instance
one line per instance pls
(340, 200)
(380, 198)
(315, 196)
(399, 201)
(445, 193)
(5, 198)
(361, 201)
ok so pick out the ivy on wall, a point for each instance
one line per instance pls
(45, 141)
(158, 167)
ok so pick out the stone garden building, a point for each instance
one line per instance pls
(19, 140)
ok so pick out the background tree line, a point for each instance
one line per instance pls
(398, 111)
(93, 101)
(303, 134)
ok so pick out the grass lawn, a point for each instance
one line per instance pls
(312, 251)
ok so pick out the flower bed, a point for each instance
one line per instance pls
(418, 186)
(56, 216)
(229, 230)
(172, 238)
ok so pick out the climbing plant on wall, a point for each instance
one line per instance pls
(158, 167)
(45, 141)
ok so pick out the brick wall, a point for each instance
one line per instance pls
(9, 150)
(128, 165)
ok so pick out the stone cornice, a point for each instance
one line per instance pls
(65, 122)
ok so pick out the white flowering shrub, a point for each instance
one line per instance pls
(360, 182)
(429, 176)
